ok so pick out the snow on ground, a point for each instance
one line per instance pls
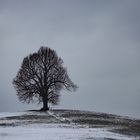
(42, 132)
(53, 131)
(8, 114)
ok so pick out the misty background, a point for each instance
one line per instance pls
(98, 40)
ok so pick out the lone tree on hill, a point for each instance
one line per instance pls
(42, 77)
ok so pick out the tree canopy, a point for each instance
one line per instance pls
(42, 77)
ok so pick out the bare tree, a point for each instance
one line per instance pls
(42, 77)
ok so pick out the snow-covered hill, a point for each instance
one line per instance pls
(67, 125)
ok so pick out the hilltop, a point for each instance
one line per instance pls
(67, 124)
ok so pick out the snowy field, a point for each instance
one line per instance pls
(54, 125)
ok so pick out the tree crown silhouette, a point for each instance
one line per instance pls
(42, 77)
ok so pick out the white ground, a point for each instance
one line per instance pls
(38, 131)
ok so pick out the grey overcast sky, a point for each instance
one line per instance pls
(99, 41)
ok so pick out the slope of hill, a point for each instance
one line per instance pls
(67, 124)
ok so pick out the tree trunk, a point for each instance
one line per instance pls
(45, 103)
